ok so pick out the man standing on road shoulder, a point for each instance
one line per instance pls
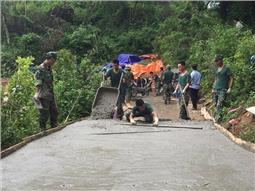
(194, 86)
(221, 86)
(182, 87)
(44, 92)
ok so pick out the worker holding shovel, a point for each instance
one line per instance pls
(182, 87)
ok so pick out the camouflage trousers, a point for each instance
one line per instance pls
(183, 113)
(218, 97)
(49, 110)
(158, 87)
(167, 92)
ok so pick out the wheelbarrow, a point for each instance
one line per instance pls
(105, 101)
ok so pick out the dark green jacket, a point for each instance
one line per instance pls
(168, 77)
(222, 78)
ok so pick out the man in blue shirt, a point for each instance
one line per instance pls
(194, 86)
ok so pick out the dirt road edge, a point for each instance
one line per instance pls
(244, 144)
(36, 136)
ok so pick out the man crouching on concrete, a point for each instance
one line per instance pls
(144, 111)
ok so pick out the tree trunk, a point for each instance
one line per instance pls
(6, 30)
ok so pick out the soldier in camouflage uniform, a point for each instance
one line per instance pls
(167, 79)
(129, 78)
(221, 86)
(44, 92)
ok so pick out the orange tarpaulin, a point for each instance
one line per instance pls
(139, 69)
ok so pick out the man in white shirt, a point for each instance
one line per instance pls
(194, 86)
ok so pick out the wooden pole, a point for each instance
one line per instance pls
(163, 126)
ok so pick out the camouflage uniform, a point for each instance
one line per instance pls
(129, 77)
(220, 87)
(167, 87)
(218, 98)
(44, 82)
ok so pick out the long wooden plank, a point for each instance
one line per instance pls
(130, 132)
(163, 126)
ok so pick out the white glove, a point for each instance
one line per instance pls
(184, 90)
(229, 90)
(213, 91)
(155, 122)
(132, 121)
(36, 96)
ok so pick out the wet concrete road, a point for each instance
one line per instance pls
(103, 155)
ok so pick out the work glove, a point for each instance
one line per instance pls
(36, 96)
(213, 91)
(132, 121)
(155, 124)
(229, 90)
(184, 90)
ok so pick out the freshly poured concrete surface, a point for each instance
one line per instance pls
(103, 155)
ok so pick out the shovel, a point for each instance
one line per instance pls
(184, 103)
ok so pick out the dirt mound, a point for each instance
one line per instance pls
(245, 125)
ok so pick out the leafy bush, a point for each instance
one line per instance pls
(249, 134)
(70, 82)
(29, 43)
(100, 31)
(19, 115)
(8, 57)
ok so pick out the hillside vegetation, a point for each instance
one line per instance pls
(90, 34)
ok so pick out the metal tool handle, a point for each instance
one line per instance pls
(121, 77)
(183, 99)
(103, 80)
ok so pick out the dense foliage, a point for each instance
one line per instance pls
(74, 92)
(90, 34)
